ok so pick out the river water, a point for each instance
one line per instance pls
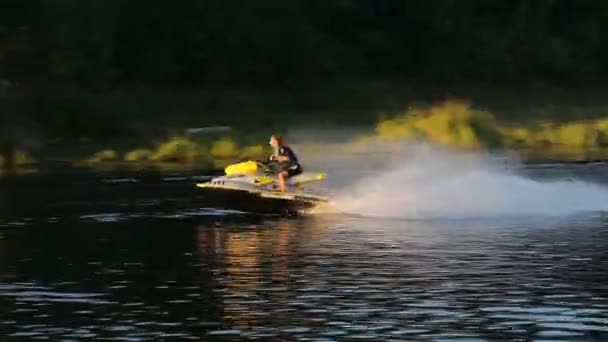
(146, 257)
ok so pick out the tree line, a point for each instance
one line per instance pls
(101, 45)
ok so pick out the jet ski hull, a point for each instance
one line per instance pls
(261, 201)
(244, 187)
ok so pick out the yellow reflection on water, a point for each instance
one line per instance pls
(246, 261)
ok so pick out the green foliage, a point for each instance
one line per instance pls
(93, 68)
(450, 123)
(576, 134)
(103, 157)
(139, 155)
(456, 123)
(96, 44)
(255, 152)
(224, 149)
(178, 150)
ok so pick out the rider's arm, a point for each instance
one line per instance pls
(279, 156)
(274, 155)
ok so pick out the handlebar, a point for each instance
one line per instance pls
(269, 166)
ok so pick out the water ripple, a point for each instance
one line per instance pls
(313, 279)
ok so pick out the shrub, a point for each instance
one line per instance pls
(139, 155)
(224, 149)
(103, 156)
(451, 123)
(254, 152)
(178, 150)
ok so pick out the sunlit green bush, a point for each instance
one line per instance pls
(139, 155)
(178, 150)
(103, 156)
(456, 123)
(451, 123)
(256, 152)
(224, 149)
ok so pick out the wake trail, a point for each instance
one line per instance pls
(440, 183)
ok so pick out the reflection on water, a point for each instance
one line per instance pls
(316, 278)
(248, 261)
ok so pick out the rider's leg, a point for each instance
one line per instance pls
(283, 181)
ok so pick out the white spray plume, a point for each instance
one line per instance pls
(421, 181)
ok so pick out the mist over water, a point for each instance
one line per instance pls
(422, 181)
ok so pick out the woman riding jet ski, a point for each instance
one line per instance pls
(289, 165)
(261, 179)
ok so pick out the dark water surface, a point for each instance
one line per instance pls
(148, 258)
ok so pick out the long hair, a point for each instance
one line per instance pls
(280, 140)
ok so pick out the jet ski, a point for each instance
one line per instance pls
(258, 179)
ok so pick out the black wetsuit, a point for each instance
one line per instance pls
(292, 166)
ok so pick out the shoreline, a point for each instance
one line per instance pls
(215, 168)
(142, 120)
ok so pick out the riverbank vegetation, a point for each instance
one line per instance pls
(453, 123)
(569, 131)
(96, 82)
(457, 123)
(180, 150)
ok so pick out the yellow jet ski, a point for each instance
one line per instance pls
(259, 179)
